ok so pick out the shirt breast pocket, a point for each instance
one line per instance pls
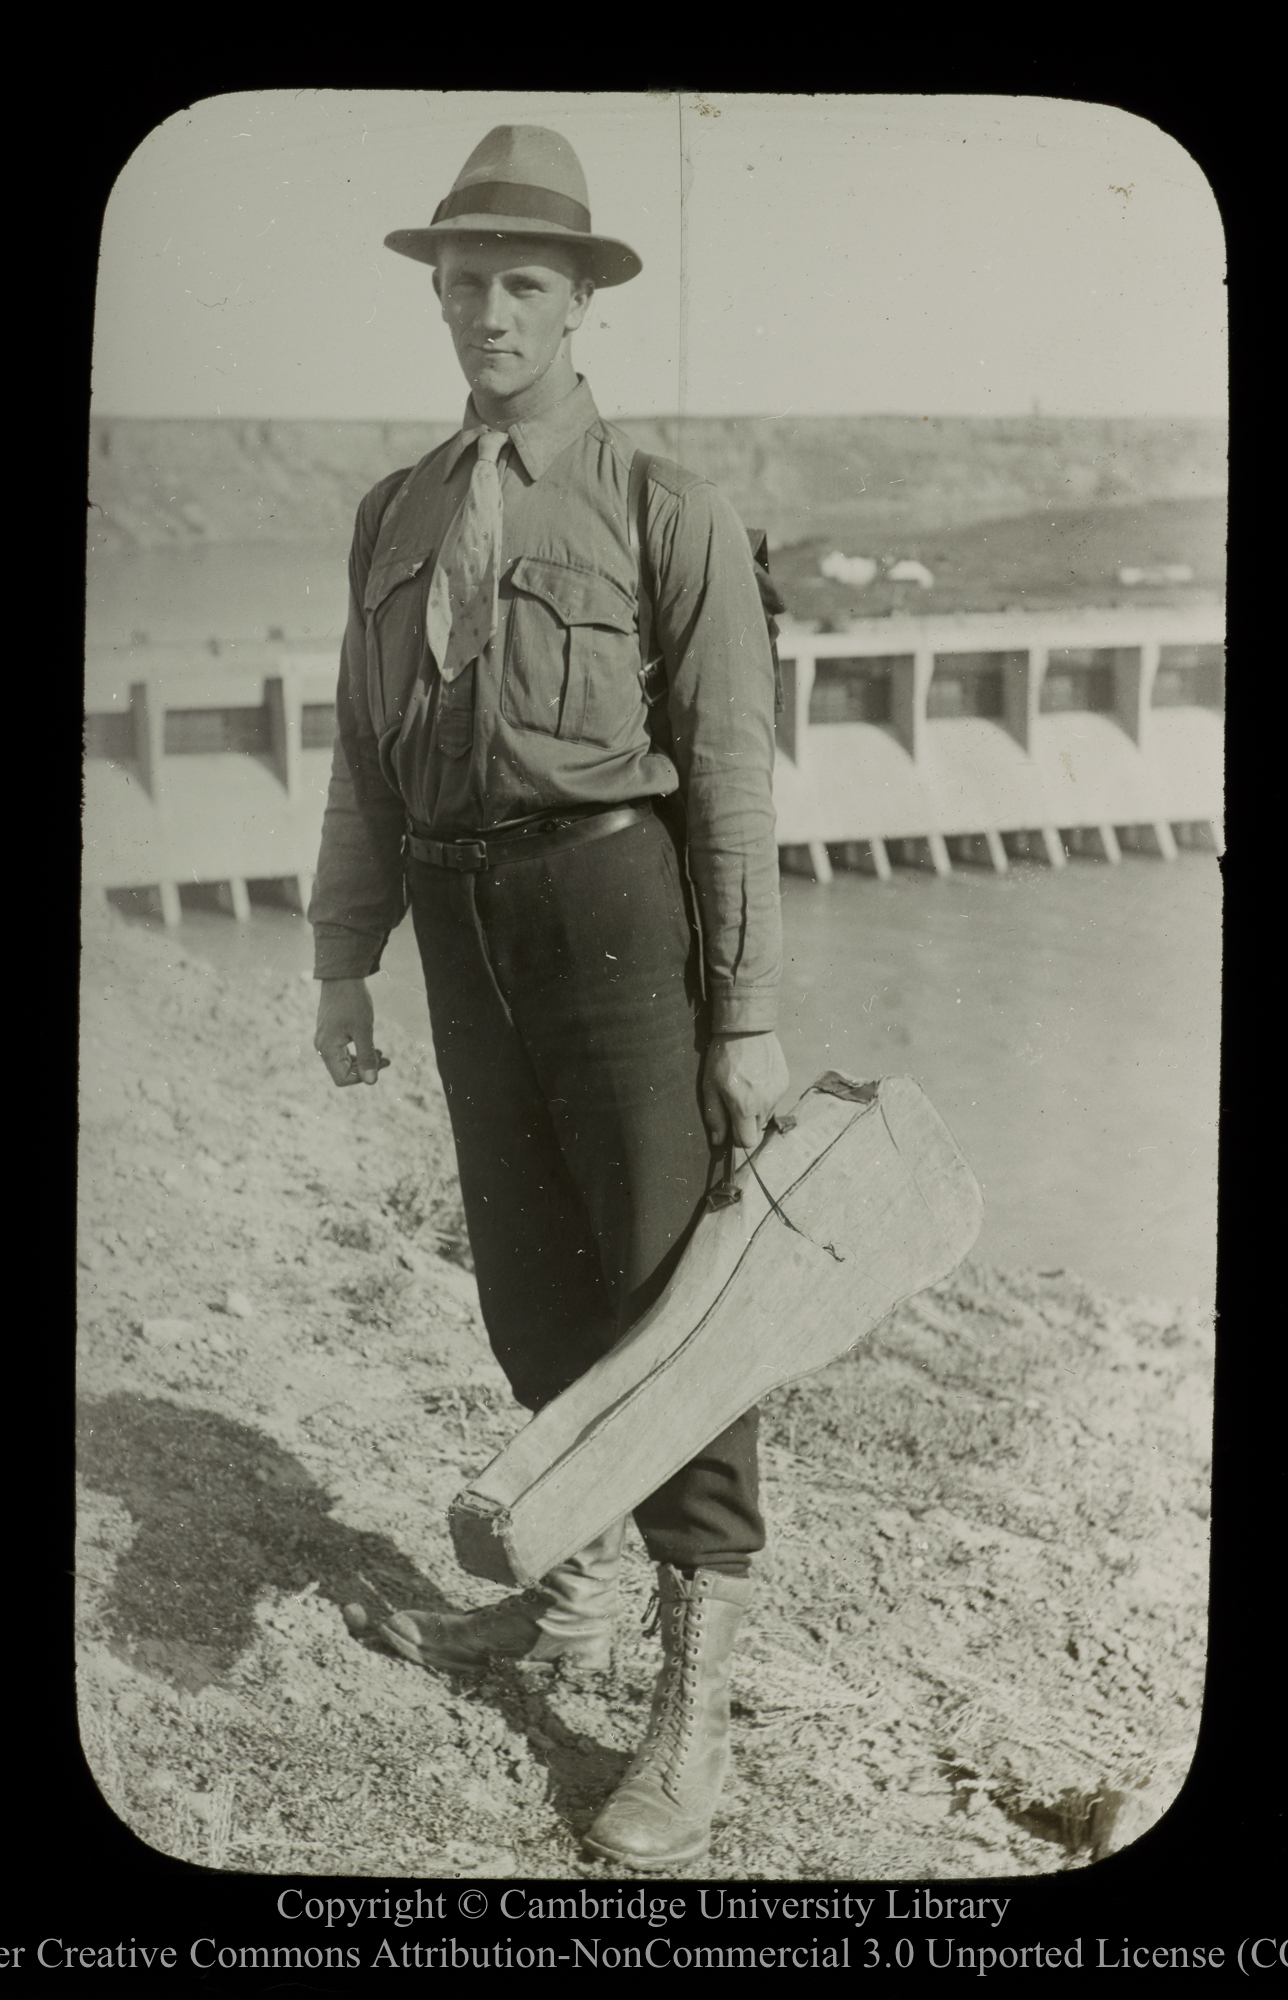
(394, 616)
(571, 655)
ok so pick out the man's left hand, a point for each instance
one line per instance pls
(742, 1080)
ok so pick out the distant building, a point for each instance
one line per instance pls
(910, 572)
(856, 571)
(1159, 573)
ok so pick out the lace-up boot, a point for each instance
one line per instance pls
(661, 1812)
(568, 1616)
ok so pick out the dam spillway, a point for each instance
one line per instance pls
(983, 726)
(979, 732)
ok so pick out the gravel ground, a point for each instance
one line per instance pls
(977, 1646)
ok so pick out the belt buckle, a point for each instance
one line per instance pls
(466, 856)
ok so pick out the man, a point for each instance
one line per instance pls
(504, 763)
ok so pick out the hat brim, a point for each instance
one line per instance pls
(607, 261)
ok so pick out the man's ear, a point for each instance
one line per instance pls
(438, 289)
(583, 292)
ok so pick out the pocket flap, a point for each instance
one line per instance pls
(407, 535)
(576, 596)
(395, 567)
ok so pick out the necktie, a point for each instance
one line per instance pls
(460, 616)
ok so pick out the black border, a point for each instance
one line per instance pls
(1211, 1867)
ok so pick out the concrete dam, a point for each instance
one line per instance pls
(948, 737)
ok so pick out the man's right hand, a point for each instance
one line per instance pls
(345, 1015)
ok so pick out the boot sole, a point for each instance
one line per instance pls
(647, 1863)
(451, 1663)
(444, 1662)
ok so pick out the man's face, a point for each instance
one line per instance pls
(509, 306)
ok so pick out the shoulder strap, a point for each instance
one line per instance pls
(636, 491)
(637, 530)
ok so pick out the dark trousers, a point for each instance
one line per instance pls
(570, 1032)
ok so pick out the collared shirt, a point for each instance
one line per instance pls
(555, 711)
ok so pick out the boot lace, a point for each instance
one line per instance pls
(670, 1727)
(680, 1710)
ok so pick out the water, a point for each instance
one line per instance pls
(1067, 1029)
(1066, 1026)
(233, 591)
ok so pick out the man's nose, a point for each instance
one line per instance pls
(494, 310)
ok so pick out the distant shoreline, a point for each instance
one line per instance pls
(236, 528)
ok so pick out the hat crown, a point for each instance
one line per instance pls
(526, 156)
(525, 182)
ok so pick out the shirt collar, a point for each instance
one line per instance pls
(538, 442)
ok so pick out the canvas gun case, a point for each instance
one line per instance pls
(850, 1204)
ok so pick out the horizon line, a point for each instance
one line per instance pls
(693, 416)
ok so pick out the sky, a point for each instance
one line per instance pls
(824, 255)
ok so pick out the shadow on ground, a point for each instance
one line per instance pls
(224, 1516)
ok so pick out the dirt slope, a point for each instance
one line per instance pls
(160, 481)
(977, 1642)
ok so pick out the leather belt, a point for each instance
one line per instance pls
(551, 830)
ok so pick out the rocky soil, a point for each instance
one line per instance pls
(977, 1648)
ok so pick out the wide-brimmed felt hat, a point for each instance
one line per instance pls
(521, 181)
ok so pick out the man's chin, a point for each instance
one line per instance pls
(499, 374)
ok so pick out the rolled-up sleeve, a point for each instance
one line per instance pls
(710, 625)
(359, 895)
